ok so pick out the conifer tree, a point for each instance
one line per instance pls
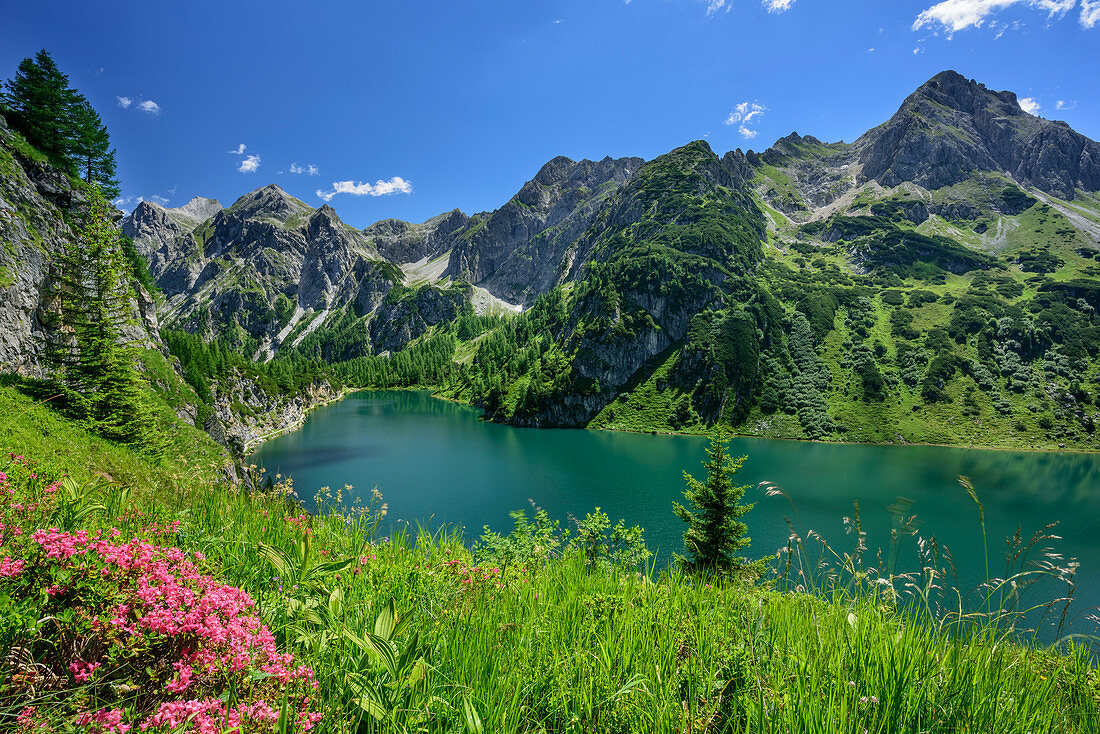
(715, 533)
(60, 122)
(41, 102)
(91, 347)
(90, 148)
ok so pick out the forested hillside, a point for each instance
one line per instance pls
(78, 304)
(934, 281)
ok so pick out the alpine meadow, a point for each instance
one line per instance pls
(674, 439)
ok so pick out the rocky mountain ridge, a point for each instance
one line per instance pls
(949, 132)
(717, 283)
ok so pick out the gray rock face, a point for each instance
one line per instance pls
(263, 416)
(525, 248)
(198, 210)
(165, 240)
(33, 232)
(952, 127)
(256, 265)
(402, 242)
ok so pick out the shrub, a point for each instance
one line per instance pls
(128, 634)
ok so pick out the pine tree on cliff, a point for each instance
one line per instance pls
(90, 345)
(39, 103)
(715, 533)
(60, 122)
(90, 148)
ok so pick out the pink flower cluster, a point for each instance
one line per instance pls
(104, 720)
(171, 597)
(210, 716)
(298, 521)
(163, 596)
(81, 670)
(471, 575)
(9, 568)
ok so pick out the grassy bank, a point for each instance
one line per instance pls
(545, 643)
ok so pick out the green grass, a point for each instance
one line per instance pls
(31, 428)
(558, 646)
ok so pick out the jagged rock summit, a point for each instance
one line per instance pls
(952, 127)
(270, 269)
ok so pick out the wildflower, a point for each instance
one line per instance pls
(81, 670)
(8, 567)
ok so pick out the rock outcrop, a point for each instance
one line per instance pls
(952, 127)
(526, 247)
(402, 242)
(245, 415)
(34, 199)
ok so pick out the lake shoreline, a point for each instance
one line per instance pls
(433, 393)
(253, 446)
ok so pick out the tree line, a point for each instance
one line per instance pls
(60, 122)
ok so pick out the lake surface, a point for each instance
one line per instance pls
(438, 463)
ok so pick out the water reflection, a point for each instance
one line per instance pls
(438, 463)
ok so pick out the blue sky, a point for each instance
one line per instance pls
(407, 109)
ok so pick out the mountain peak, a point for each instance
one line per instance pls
(952, 127)
(199, 208)
(952, 89)
(554, 169)
(270, 202)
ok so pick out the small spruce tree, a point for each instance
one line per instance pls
(89, 345)
(715, 533)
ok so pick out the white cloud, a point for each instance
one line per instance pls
(240, 149)
(951, 16)
(395, 185)
(743, 116)
(308, 169)
(249, 164)
(713, 6)
(1090, 13)
(1030, 105)
(777, 6)
(1064, 105)
(145, 105)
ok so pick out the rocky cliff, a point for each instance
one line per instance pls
(244, 415)
(527, 246)
(952, 127)
(35, 199)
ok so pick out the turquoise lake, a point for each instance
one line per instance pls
(438, 463)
